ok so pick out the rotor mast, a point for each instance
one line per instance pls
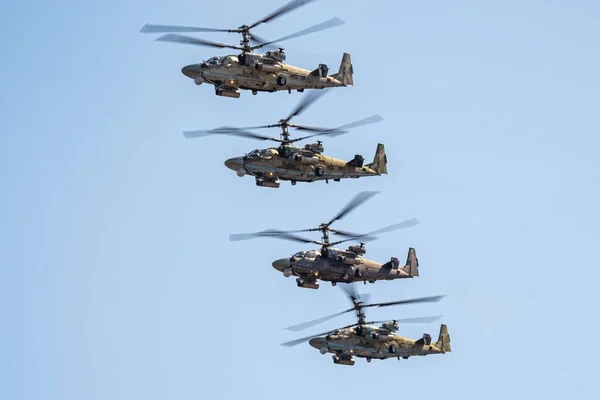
(245, 42)
(360, 315)
(285, 134)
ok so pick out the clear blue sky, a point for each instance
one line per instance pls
(117, 279)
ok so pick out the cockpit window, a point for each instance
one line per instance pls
(214, 61)
(312, 254)
(299, 255)
(230, 60)
(336, 332)
(254, 153)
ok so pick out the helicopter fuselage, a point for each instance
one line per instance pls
(337, 265)
(369, 341)
(297, 164)
(266, 73)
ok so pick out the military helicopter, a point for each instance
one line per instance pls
(364, 339)
(338, 265)
(253, 71)
(296, 164)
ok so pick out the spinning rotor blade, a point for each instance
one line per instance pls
(351, 292)
(310, 128)
(414, 320)
(272, 234)
(341, 130)
(362, 122)
(306, 101)
(314, 322)
(151, 28)
(173, 37)
(401, 225)
(363, 238)
(330, 132)
(371, 235)
(355, 202)
(316, 28)
(292, 5)
(226, 131)
(430, 299)
(260, 41)
(351, 235)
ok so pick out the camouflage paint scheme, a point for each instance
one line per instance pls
(266, 73)
(369, 341)
(338, 265)
(297, 164)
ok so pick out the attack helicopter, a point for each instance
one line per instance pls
(298, 164)
(366, 340)
(338, 265)
(254, 71)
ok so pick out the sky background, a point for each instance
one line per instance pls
(117, 279)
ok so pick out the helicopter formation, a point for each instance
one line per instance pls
(268, 72)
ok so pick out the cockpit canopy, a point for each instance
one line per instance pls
(299, 255)
(214, 61)
(309, 255)
(229, 60)
(263, 153)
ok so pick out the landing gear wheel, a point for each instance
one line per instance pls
(333, 283)
(255, 92)
(368, 359)
(319, 171)
(405, 357)
(281, 81)
(293, 183)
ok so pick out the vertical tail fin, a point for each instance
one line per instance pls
(443, 342)
(379, 163)
(412, 263)
(344, 75)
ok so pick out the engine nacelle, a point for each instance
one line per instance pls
(379, 336)
(271, 68)
(306, 159)
(351, 260)
(287, 272)
(240, 172)
(234, 93)
(324, 350)
(199, 80)
(343, 361)
(307, 284)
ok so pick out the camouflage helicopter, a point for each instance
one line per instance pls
(364, 339)
(338, 265)
(296, 164)
(253, 71)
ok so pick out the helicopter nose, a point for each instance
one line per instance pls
(281, 264)
(317, 342)
(235, 163)
(191, 71)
